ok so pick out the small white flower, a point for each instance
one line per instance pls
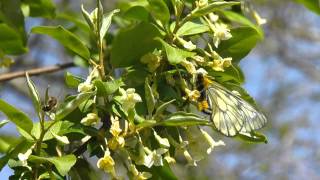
(169, 159)
(221, 32)
(219, 63)
(201, 3)
(260, 21)
(213, 17)
(138, 175)
(107, 164)
(90, 120)
(202, 71)
(62, 139)
(190, 46)
(164, 142)
(23, 157)
(152, 60)
(129, 98)
(85, 86)
(190, 67)
(199, 59)
(211, 142)
(155, 156)
(192, 95)
(188, 157)
(143, 158)
(115, 128)
(187, 44)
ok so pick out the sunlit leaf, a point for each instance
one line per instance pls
(20, 119)
(108, 87)
(131, 44)
(183, 119)
(21, 146)
(150, 99)
(65, 37)
(7, 141)
(34, 95)
(12, 28)
(41, 8)
(243, 20)
(68, 107)
(253, 137)
(71, 80)
(10, 41)
(63, 163)
(243, 40)
(137, 13)
(175, 55)
(3, 122)
(87, 17)
(312, 5)
(214, 6)
(106, 22)
(162, 108)
(191, 28)
(159, 10)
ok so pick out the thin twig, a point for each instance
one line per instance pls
(36, 71)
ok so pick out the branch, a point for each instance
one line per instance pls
(36, 71)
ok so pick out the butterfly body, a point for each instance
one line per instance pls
(229, 113)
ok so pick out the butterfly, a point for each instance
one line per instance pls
(229, 113)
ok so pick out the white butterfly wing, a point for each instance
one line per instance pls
(231, 114)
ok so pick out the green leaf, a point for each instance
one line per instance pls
(232, 74)
(312, 5)
(3, 122)
(238, 18)
(55, 128)
(175, 55)
(66, 38)
(63, 163)
(191, 28)
(19, 118)
(71, 80)
(163, 172)
(7, 141)
(159, 10)
(146, 123)
(135, 76)
(106, 22)
(150, 99)
(243, 40)
(130, 44)
(107, 88)
(183, 119)
(41, 8)
(83, 170)
(70, 127)
(214, 6)
(34, 95)
(87, 17)
(137, 13)
(21, 146)
(253, 137)
(68, 107)
(11, 15)
(162, 108)
(11, 41)
(70, 17)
